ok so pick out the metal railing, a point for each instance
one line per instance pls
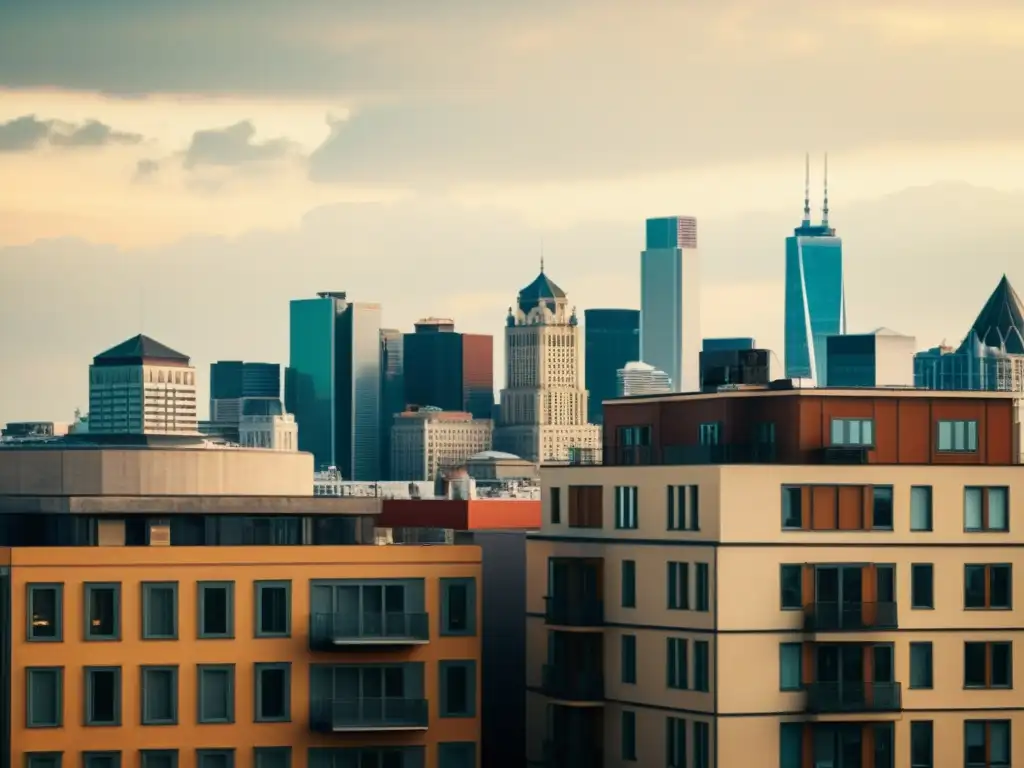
(330, 629)
(853, 697)
(578, 611)
(850, 616)
(370, 713)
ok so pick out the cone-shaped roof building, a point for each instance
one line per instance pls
(1000, 324)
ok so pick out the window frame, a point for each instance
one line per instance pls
(626, 507)
(792, 494)
(258, 669)
(229, 619)
(258, 587)
(443, 705)
(94, 754)
(790, 647)
(875, 526)
(258, 752)
(782, 587)
(87, 686)
(986, 725)
(628, 744)
(228, 752)
(58, 618)
(55, 759)
(148, 587)
(701, 587)
(675, 512)
(88, 589)
(923, 725)
(445, 746)
(677, 675)
(845, 441)
(988, 574)
(701, 743)
(701, 666)
(678, 588)
(471, 606)
(931, 518)
(627, 658)
(627, 595)
(921, 645)
(968, 437)
(148, 753)
(676, 742)
(202, 718)
(555, 495)
(175, 689)
(58, 674)
(986, 517)
(989, 647)
(914, 604)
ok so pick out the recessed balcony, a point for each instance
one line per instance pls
(572, 685)
(853, 698)
(344, 630)
(850, 616)
(371, 714)
(579, 611)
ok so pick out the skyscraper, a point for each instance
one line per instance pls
(636, 378)
(392, 391)
(670, 337)
(449, 370)
(815, 296)
(611, 339)
(233, 380)
(333, 382)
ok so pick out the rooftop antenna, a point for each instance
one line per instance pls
(807, 189)
(824, 208)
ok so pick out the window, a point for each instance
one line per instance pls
(791, 587)
(921, 744)
(703, 596)
(985, 509)
(271, 757)
(792, 507)
(626, 507)
(922, 592)
(701, 664)
(881, 507)
(958, 436)
(629, 659)
(988, 586)
(678, 663)
(102, 695)
(273, 608)
(853, 432)
(710, 433)
(45, 613)
(44, 693)
(675, 738)
(920, 665)
(216, 600)
(458, 688)
(791, 741)
(273, 692)
(160, 610)
(103, 611)
(921, 508)
(43, 759)
(683, 508)
(451, 754)
(628, 734)
(101, 760)
(701, 744)
(988, 665)
(215, 758)
(987, 744)
(790, 666)
(586, 506)
(159, 695)
(556, 506)
(629, 584)
(216, 689)
(765, 433)
(458, 606)
(159, 758)
(679, 586)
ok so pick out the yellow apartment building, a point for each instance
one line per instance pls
(781, 578)
(155, 616)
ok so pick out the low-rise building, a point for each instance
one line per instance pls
(427, 440)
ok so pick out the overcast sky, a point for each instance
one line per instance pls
(186, 168)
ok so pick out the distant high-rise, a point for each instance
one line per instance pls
(728, 344)
(882, 358)
(815, 295)
(392, 391)
(670, 300)
(611, 339)
(636, 378)
(333, 382)
(233, 380)
(449, 370)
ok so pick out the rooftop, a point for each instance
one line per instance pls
(1000, 323)
(776, 391)
(138, 350)
(541, 289)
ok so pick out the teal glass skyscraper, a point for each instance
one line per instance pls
(815, 293)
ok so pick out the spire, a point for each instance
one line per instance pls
(824, 208)
(542, 257)
(807, 189)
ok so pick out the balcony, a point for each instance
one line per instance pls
(575, 686)
(558, 754)
(343, 630)
(845, 455)
(370, 714)
(850, 617)
(580, 611)
(853, 698)
(672, 455)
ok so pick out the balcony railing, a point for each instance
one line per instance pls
(578, 611)
(558, 754)
(559, 683)
(370, 714)
(845, 455)
(330, 630)
(669, 455)
(850, 616)
(838, 698)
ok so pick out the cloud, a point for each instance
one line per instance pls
(26, 133)
(146, 169)
(233, 147)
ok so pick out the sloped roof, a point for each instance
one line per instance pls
(136, 350)
(541, 289)
(1000, 323)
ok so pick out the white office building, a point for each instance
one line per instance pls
(642, 379)
(426, 441)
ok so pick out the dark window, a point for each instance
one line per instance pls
(160, 610)
(921, 744)
(102, 695)
(103, 611)
(556, 506)
(159, 758)
(920, 665)
(458, 606)
(988, 586)
(628, 659)
(694, 508)
(678, 663)
(44, 697)
(676, 508)
(458, 688)
(43, 759)
(921, 508)
(101, 759)
(216, 700)
(701, 744)
(710, 433)
(987, 744)
(273, 608)
(958, 436)
(701, 666)
(675, 742)
(45, 613)
(626, 507)
(273, 692)
(881, 508)
(791, 587)
(702, 598)
(628, 735)
(272, 757)
(791, 745)
(679, 586)
(988, 665)
(790, 666)
(986, 509)
(629, 584)
(792, 507)
(216, 609)
(922, 592)
(853, 432)
(159, 695)
(215, 758)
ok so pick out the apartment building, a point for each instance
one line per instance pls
(781, 578)
(146, 627)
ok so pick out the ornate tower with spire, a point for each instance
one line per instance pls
(543, 415)
(815, 289)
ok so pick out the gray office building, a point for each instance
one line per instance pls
(392, 391)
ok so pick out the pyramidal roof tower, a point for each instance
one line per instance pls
(1000, 324)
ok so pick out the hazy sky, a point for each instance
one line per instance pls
(186, 168)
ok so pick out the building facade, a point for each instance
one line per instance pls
(264, 425)
(427, 441)
(636, 378)
(543, 414)
(728, 344)
(392, 391)
(449, 370)
(233, 380)
(141, 387)
(333, 382)
(670, 300)
(882, 358)
(815, 294)
(611, 339)
(815, 577)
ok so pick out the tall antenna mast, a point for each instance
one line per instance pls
(824, 208)
(807, 189)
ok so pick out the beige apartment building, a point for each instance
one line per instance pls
(801, 579)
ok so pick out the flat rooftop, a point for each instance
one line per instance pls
(873, 392)
(191, 505)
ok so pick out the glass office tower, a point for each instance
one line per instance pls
(611, 339)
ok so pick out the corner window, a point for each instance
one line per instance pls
(458, 688)
(45, 613)
(273, 692)
(458, 606)
(160, 610)
(853, 433)
(273, 608)
(626, 512)
(921, 508)
(44, 706)
(216, 601)
(102, 695)
(792, 507)
(958, 436)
